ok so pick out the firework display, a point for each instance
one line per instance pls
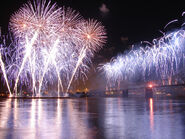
(50, 45)
(160, 60)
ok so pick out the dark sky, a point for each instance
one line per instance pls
(136, 20)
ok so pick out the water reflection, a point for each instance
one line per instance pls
(32, 114)
(91, 118)
(114, 119)
(151, 114)
(5, 112)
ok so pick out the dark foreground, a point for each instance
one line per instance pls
(88, 118)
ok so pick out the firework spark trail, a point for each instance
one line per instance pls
(4, 74)
(27, 54)
(79, 62)
(40, 17)
(32, 67)
(59, 78)
(170, 23)
(35, 61)
(164, 57)
(92, 35)
(53, 52)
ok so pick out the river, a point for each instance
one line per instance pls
(91, 118)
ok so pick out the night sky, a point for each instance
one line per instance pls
(125, 21)
(136, 21)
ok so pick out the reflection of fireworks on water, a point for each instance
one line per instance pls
(163, 59)
(51, 44)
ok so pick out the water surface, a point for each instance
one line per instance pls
(89, 118)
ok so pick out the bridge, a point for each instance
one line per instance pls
(144, 90)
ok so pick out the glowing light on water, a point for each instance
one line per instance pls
(33, 113)
(151, 114)
(6, 113)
